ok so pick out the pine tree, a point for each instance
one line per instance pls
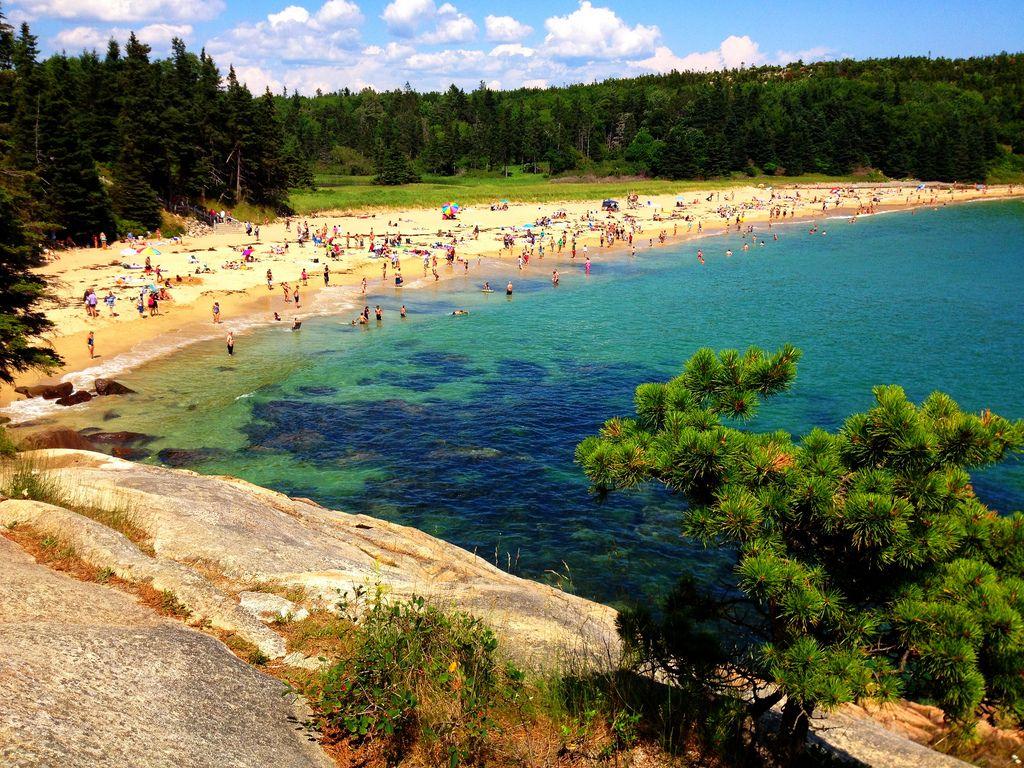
(864, 564)
(139, 159)
(76, 199)
(21, 321)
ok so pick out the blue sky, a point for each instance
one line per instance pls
(331, 44)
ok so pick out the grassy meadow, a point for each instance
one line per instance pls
(350, 193)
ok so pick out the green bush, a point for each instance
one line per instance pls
(417, 671)
(127, 226)
(7, 447)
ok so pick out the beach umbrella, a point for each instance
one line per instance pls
(149, 251)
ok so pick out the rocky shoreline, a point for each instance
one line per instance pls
(95, 678)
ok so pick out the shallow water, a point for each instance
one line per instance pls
(465, 426)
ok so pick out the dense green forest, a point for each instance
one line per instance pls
(101, 142)
(934, 119)
(94, 143)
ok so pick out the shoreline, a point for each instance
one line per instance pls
(246, 303)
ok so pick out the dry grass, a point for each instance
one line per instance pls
(22, 478)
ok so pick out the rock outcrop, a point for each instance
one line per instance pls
(91, 679)
(47, 391)
(231, 535)
(88, 677)
(106, 387)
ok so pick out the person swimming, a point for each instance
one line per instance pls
(487, 288)
(508, 288)
(460, 312)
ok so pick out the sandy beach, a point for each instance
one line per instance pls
(244, 298)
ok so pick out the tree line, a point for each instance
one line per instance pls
(933, 119)
(95, 143)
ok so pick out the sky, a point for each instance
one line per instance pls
(307, 45)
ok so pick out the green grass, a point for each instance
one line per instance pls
(354, 193)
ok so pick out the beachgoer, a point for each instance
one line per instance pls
(91, 342)
(216, 311)
(379, 313)
(295, 296)
(327, 275)
(231, 343)
(586, 266)
(554, 277)
(508, 288)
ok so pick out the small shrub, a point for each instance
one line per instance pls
(170, 605)
(417, 670)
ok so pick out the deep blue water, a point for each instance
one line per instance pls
(465, 426)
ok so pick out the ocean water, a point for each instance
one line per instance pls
(465, 427)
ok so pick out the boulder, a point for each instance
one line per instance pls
(75, 398)
(47, 391)
(105, 387)
(58, 437)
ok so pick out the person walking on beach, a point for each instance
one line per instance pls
(327, 275)
(305, 277)
(216, 311)
(270, 280)
(231, 343)
(103, 240)
(586, 266)
(91, 343)
(295, 296)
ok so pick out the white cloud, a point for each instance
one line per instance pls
(733, 52)
(293, 14)
(505, 29)
(158, 36)
(740, 51)
(404, 18)
(452, 27)
(428, 22)
(512, 49)
(817, 53)
(257, 79)
(292, 34)
(120, 10)
(597, 33)
(336, 13)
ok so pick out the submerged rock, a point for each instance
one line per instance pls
(105, 387)
(186, 457)
(76, 398)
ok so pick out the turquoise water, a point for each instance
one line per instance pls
(465, 426)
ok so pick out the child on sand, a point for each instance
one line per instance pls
(216, 311)
(91, 342)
